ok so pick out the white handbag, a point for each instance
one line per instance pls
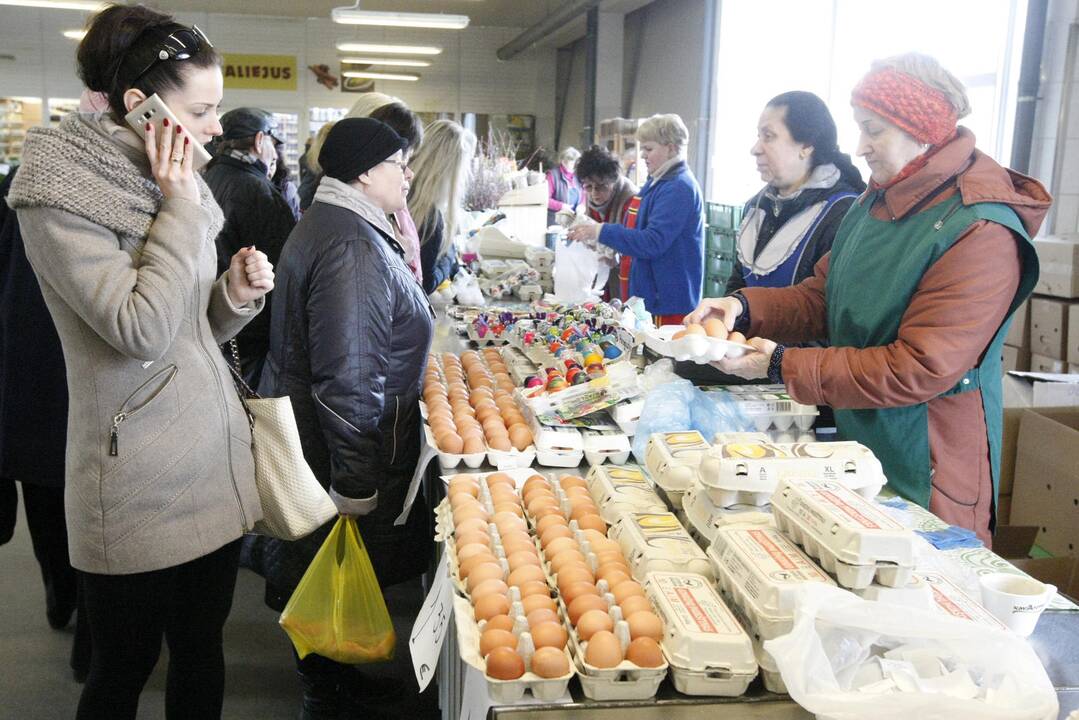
(294, 503)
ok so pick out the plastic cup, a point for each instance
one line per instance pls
(1015, 600)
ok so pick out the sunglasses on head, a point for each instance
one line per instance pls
(180, 44)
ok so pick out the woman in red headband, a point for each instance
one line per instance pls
(915, 297)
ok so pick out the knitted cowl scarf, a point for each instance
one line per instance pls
(78, 169)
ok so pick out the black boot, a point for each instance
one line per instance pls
(321, 682)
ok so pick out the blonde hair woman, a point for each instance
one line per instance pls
(442, 168)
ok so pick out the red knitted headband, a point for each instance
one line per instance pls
(923, 111)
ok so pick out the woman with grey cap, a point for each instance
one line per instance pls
(348, 344)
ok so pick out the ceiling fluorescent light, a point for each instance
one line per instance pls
(385, 61)
(358, 47)
(74, 34)
(88, 5)
(380, 76)
(438, 21)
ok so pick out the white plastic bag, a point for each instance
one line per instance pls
(579, 276)
(835, 632)
(466, 289)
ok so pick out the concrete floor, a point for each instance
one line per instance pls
(261, 684)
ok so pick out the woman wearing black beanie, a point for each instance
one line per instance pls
(348, 343)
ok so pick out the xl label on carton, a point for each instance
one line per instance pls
(694, 606)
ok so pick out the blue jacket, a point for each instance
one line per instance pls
(667, 246)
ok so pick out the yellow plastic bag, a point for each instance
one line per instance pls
(337, 610)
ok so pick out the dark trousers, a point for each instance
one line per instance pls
(48, 535)
(129, 614)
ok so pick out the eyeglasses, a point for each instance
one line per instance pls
(402, 165)
(181, 44)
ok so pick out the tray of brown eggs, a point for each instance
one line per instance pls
(614, 629)
(507, 620)
(471, 414)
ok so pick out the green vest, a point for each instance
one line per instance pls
(875, 269)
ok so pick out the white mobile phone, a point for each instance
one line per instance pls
(153, 110)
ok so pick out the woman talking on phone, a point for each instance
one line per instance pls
(160, 479)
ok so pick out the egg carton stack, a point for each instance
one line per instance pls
(602, 446)
(475, 421)
(627, 414)
(708, 650)
(698, 343)
(657, 542)
(505, 612)
(703, 517)
(673, 459)
(850, 536)
(542, 260)
(949, 598)
(614, 630)
(622, 489)
(759, 571)
(771, 409)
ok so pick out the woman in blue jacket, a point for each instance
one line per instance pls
(667, 245)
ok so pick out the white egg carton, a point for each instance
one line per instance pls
(621, 489)
(773, 680)
(949, 598)
(559, 447)
(451, 460)
(916, 594)
(704, 517)
(759, 571)
(512, 459)
(657, 542)
(625, 681)
(768, 406)
(748, 473)
(700, 349)
(627, 414)
(850, 536)
(507, 691)
(722, 438)
(605, 445)
(673, 459)
(706, 647)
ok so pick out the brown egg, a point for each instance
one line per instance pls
(644, 652)
(645, 624)
(538, 602)
(471, 551)
(499, 622)
(592, 622)
(534, 587)
(505, 664)
(581, 509)
(591, 522)
(582, 604)
(575, 590)
(736, 337)
(490, 605)
(626, 589)
(614, 575)
(535, 493)
(554, 531)
(579, 492)
(544, 524)
(570, 481)
(461, 499)
(500, 478)
(472, 445)
(541, 615)
(516, 545)
(489, 587)
(510, 521)
(491, 424)
(535, 481)
(471, 525)
(486, 412)
(463, 540)
(544, 511)
(571, 558)
(520, 436)
(450, 442)
(500, 443)
(603, 650)
(600, 543)
(571, 574)
(468, 565)
(715, 328)
(634, 604)
(523, 557)
(525, 574)
(541, 501)
(510, 508)
(464, 483)
(604, 557)
(485, 571)
(548, 635)
(495, 638)
(550, 662)
(558, 545)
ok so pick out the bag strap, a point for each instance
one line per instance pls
(243, 390)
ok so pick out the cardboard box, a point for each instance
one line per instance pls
(1059, 260)
(1018, 336)
(1007, 452)
(1014, 541)
(1049, 326)
(1016, 358)
(1024, 390)
(1043, 364)
(1004, 514)
(1073, 368)
(1061, 572)
(1046, 488)
(1073, 335)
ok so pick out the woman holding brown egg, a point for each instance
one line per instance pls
(915, 297)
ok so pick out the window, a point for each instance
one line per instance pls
(825, 46)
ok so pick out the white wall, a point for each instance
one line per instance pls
(466, 77)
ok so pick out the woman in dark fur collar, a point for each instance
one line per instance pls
(789, 225)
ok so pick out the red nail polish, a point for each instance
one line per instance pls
(187, 140)
(149, 127)
(178, 129)
(165, 122)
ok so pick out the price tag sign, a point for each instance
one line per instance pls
(429, 630)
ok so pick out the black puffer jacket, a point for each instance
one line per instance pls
(349, 339)
(255, 214)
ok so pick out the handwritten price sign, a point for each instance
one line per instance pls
(429, 630)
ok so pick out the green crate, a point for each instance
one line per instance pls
(719, 265)
(714, 288)
(720, 241)
(724, 217)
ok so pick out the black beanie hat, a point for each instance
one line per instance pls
(355, 145)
